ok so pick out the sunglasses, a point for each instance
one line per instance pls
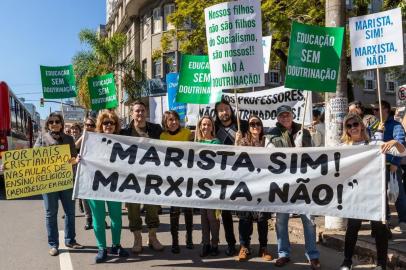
(255, 124)
(90, 125)
(350, 126)
(107, 123)
(56, 122)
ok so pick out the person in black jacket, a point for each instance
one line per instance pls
(226, 129)
(139, 127)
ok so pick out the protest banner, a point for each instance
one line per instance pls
(172, 88)
(58, 82)
(35, 171)
(376, 40)
(194, 81)
(262, 103)
(102, 91)
(401, 95)
(336, 181)
(266, 46)
(314, 57)
(234, 39)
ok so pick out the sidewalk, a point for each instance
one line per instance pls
(365, 249)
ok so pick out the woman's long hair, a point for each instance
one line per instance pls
(250, 138)
(109, 115)
(199, 130)
(346, 138)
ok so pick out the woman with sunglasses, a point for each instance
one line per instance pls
(254, 137)
(210, 218)
(355, 133)
(90, 125)
(54, 135)
(174, 132)
(107, 122)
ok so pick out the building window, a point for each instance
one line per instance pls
(145, 26)
(144, 67)
(274, 77)
(156, 69)
(168, 10)
(169, 62)
(157, 23)
(369, 80)
(390, 82)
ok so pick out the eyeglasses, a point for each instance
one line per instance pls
(255, 124)
(350, 126)
(56, 122)
(90, 125)
(107, 123)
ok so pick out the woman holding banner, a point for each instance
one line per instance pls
(174, 132)
(355, 133)
(254, 137)
(107, 122)
(54, 135)
(210, 218)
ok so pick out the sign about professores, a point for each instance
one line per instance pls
(35, 171)
(234, 37)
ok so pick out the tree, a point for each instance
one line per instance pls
(104, 57)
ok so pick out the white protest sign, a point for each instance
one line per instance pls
(157, 105)
(336, 181)
(376, 40)
(401, 95)
(266, 45)
(234, 39)
(262, 103)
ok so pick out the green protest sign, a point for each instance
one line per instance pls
(58, 82)
(102, 91)
(194, 81)
(314, 57)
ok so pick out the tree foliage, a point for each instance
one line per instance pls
(103, 56)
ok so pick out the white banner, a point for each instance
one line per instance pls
(335, 181)
(376, 40)
(262, 103)
(234, 40)
(266, 46)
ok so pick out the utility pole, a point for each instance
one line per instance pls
(336, 103)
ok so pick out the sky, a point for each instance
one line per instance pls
(42, 32)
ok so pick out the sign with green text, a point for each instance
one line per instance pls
(58, 82)
(314, 57)
(194, 81)
(102, 91)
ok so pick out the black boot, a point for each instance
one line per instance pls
(189, 227)
(174, 220)
(205, 251)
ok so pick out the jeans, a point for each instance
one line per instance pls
(282, 235)
(99, 221)
(401, 201)
(51, 216)
(381, 240)
(245, 227)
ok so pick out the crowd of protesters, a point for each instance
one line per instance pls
(359, 128)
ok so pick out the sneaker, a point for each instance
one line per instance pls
(401, 228)
(314, 264)
(175, 249)
(230, 251)
(53, 251)
(74, 246)
(119, 250)
(205, 251)
(282, 261)
(264, 254)
(101, 256)
(346, 266)
(243, 254)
